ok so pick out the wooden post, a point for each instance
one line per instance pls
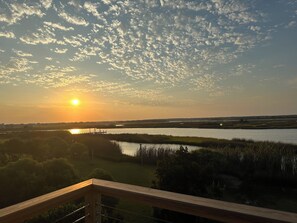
(93, 207)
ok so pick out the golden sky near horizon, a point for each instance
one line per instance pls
(126, 60)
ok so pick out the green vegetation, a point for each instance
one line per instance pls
(260, 176)
(243, 171)
(100, 147)
(194, 141)
(27, 178)
(124, 172)
(164, 139)
(151, 155)
(34, 161)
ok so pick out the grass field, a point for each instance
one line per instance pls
(123, 172)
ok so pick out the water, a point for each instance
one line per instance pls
(273, 135)
(130, 148)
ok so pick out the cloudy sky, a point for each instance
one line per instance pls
(140, 59)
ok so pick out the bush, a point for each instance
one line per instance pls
(78, 150)
(13, 145)
(100, 147)
(58, 147)
(58, 173)
(28, 178)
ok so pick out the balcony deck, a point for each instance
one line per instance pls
(92, 190)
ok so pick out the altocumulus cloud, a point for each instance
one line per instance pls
(167, 44)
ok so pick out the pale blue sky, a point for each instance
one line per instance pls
(146, 59)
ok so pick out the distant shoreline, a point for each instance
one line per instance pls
(244, 122)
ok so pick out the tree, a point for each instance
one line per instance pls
(20, 180)
(100, 174)
(58, 173)
(78, 150)
(57, 147)
(100, 147)
(196, 173)
(14, 146)
(28, 178)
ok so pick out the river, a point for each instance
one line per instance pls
(273, 135)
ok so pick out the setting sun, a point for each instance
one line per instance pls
(75, 102)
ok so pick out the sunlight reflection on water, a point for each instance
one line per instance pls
(75, 131)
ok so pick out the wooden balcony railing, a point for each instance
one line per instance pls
(93, 189)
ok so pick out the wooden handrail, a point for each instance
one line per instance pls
(24, 210)
(203, 207)
(212, 209)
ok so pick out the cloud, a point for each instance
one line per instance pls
(33, 61)
(34, 40)
(23, 10)
(145, 47)
(46, 3)
(163, 43)
(60, 51)
(21, 53)
(58, 26)
(91, 8)
(75, 3)
(55, 79)
(205, 82)
(9, 72)
(17, 11)
(4, 18)
(85, 53)
(107, 2)
(126, 91)
(6, 34)
(208, 83)
(76, 41)
(73, 19)
(42, 36)
(278, 66)
(291, 24)
(241, 69)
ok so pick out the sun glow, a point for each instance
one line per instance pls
(75, 102)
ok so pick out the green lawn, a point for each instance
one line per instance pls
(123, 172)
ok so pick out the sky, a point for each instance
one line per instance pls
(146, 59)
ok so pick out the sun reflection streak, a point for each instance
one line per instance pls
(75, 131)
